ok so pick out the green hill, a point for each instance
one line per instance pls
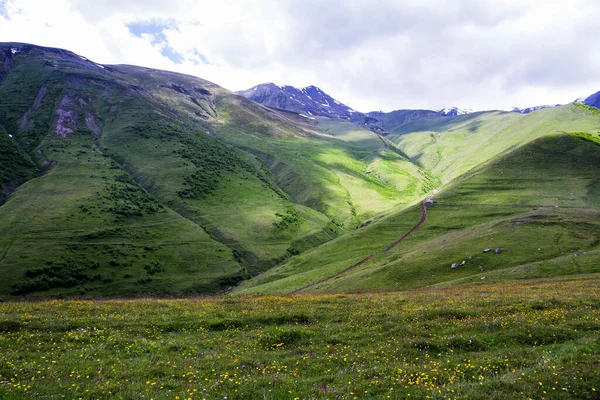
(451, 146)
(139, 181)
(509, 204)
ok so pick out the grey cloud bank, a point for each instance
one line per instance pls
(369, 54)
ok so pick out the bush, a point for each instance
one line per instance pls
(290, 219)
(63, 275)
(153, 268)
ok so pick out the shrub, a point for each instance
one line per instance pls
(289, 219)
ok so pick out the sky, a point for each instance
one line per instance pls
(371, 55)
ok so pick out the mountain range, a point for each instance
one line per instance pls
(120, 180)
(311, 101)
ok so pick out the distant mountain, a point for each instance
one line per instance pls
(393, 121)
(592, 100)
(454, 111)
(311, 101)
(308, 101)
(532, 109)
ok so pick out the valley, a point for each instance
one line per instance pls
(163, 237)
(144, 182)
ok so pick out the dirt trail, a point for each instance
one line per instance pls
(364, 260)
(423, 218)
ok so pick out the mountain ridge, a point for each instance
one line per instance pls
(164, 183)
(308, 101)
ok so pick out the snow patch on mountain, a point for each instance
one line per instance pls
(309, 100)
(532, 109)
(454, 111)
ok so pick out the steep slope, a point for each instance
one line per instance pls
(537, 204)
(342, 171)
(308, 101)
(149, 181)
(16, 166)
(84, 225)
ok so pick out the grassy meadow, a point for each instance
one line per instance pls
(530, 339)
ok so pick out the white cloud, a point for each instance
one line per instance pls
(370, 55)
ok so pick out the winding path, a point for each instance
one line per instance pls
(364, 260)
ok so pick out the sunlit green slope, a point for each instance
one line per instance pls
(455, 145)
(510, 204)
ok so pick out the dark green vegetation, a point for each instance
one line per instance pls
(526, 340)
(16, 166)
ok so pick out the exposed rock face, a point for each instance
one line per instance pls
(67, 118)
(90, 122)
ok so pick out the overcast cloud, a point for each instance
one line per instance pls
(371, 55)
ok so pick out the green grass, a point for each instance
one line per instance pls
(218, 187)
(462, 143)
(332, 175)
(531, 339)
(349, 133)
(554, 170)
(509, 204)
(83, 213)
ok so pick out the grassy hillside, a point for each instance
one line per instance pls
(525, 340)
(509, 205)
(16, 166)
(140, 158)
(345, 183)
(85, 227)
(451, 146)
